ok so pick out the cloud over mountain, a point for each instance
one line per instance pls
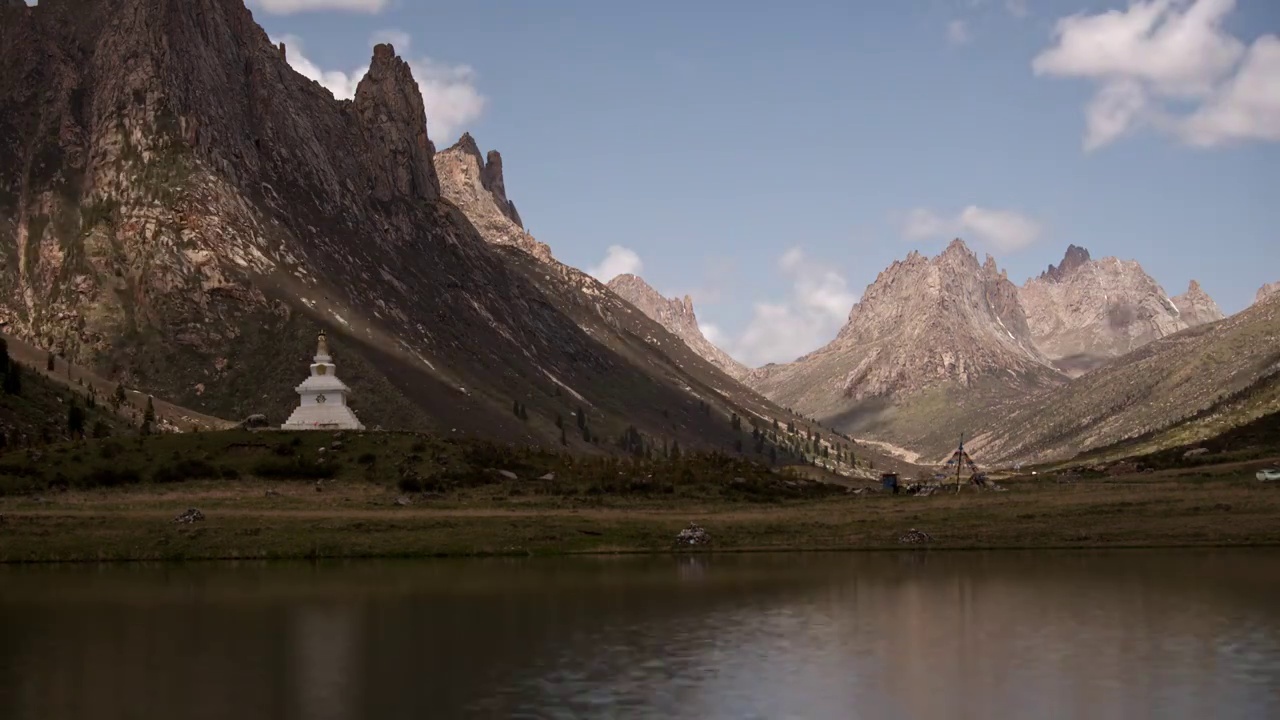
(449, 92)
(1160, 54)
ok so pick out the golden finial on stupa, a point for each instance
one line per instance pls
(322, 345)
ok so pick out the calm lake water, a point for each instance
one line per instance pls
(841, 636)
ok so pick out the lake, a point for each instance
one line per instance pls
(1133, 634)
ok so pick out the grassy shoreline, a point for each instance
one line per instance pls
(383, 495)
(360, 522)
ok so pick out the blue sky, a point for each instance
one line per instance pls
(770, 159)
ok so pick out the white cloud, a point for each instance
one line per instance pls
(400, 39)
(958, 33)
(289, 7)
(449, 92)
(1001, 230)
(1246, 107)
(712, 333)
(818, 305)
(618, 260)
(1157, 53)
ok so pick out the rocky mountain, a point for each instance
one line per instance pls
(1266, 291)
(932, 341)
(1084, 312)
(182, 211)
(1179, 389)
(677, 316)
(1196, 307)
(475, 184)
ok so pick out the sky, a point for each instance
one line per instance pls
(770, 159)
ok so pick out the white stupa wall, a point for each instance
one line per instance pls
(322, 398)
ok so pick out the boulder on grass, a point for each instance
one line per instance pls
(190, 516)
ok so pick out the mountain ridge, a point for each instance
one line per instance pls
(946, 324)
(678, 316)
(1086, 311)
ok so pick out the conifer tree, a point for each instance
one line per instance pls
(13, 379)
(75, 419)
(149, 417)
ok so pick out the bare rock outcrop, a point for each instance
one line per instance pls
(1196, 307)
(1267, 291)
(677, 316)
(390, 108)
(924, 322)
(476, 185)
(1085, 312)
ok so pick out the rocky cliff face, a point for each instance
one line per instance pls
(677, 316)
(1084, 312)
(1266, 291)
(181, 211)
(945, 323)
(475, 184)
(1195, 307)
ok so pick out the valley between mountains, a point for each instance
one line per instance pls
(182, 223)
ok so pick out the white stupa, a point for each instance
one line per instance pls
(324, 397)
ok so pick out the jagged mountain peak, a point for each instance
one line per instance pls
(925, 323)
(1074, 258)
(467, 144)
(1084, 312)
(677, 316)
(475, 183)
(389, 103)
(1196, 307)
(1266, 292)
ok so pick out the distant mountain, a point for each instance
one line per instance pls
(1191, 385)
(1085, 312)
(931, 342)
(677, 316)
(1266, 291)
(1196, 307)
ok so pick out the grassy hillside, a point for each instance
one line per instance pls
(1195, 384)
(34, 411)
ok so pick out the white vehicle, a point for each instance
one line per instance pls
(1268, 475)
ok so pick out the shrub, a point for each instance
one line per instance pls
(296, 469)
(367, 459)
(410, 484)
(183, 470)
(109, 477)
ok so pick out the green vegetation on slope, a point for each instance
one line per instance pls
(35, 411)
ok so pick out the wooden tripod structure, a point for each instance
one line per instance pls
(959, 462)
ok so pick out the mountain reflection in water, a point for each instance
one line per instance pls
(1188, 634)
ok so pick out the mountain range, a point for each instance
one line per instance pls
(182, 212)
(941, 346)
